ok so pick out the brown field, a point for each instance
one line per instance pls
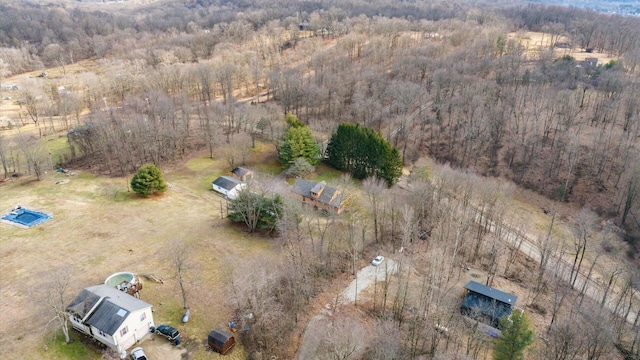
(535, 42)
(99, 228)
(11, 113)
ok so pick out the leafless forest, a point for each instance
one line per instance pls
(462, 83)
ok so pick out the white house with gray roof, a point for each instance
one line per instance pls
(228, 186)
(111, 316)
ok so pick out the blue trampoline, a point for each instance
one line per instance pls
(26, 217)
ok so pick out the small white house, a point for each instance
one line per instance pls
(111, 316)
(228, 186)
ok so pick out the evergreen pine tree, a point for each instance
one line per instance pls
(516, 336)
(148, 180)
(298, 142)
(364, 153)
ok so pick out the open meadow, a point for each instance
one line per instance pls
(99, 228)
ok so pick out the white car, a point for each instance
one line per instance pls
(138, 354)
(377, 260)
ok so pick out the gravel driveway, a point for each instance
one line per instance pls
(365, 277)
(318, 325)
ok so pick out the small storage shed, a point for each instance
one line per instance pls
(242, 174)
(228, 186)
(486, 304)
(220, 341)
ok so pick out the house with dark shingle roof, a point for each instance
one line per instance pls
(486, 304)
(242, 174)
(319, 194)
(110, 316)
(228, 186)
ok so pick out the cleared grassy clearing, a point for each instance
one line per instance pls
(99, 228)
(535, 42)
(57, 349)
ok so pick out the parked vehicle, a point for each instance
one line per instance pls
(171, 333)
(138, 354)
(379, 259)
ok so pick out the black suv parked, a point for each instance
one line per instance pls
(171, 333)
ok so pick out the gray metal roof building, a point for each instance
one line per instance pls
(491, 292)
(486, 304)
(226, 182)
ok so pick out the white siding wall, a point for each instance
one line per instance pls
(221, 190)
(234, 192)
(75, 322)
(137, 324)
(103, 338)
(231, 194)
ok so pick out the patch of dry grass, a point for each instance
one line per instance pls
(535, 42)
(99, 228)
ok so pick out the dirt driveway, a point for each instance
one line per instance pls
(157, 347)
(365, 277)
(314, 334)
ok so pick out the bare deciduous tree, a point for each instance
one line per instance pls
(597, 329)
(374, 188)
(236, 152)
(564, 341)
(548, 248)
(35, 155)
(3, 154)
(56, 293)
(583, 227)
(180, 253)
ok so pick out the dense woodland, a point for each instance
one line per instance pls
(438, 79)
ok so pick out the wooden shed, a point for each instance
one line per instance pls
(242, 174)
(220, 341)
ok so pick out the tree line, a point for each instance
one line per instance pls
(364, 153)
(456, 87)
(484, 101)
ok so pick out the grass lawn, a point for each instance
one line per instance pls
(56, 348)
(99, 228)
(327, 173)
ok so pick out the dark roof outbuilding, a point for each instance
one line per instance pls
(226, 182)
(220, 341)
(491, 292)
(487, 304)
(240, 171)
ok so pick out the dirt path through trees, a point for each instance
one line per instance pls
(366, 276)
